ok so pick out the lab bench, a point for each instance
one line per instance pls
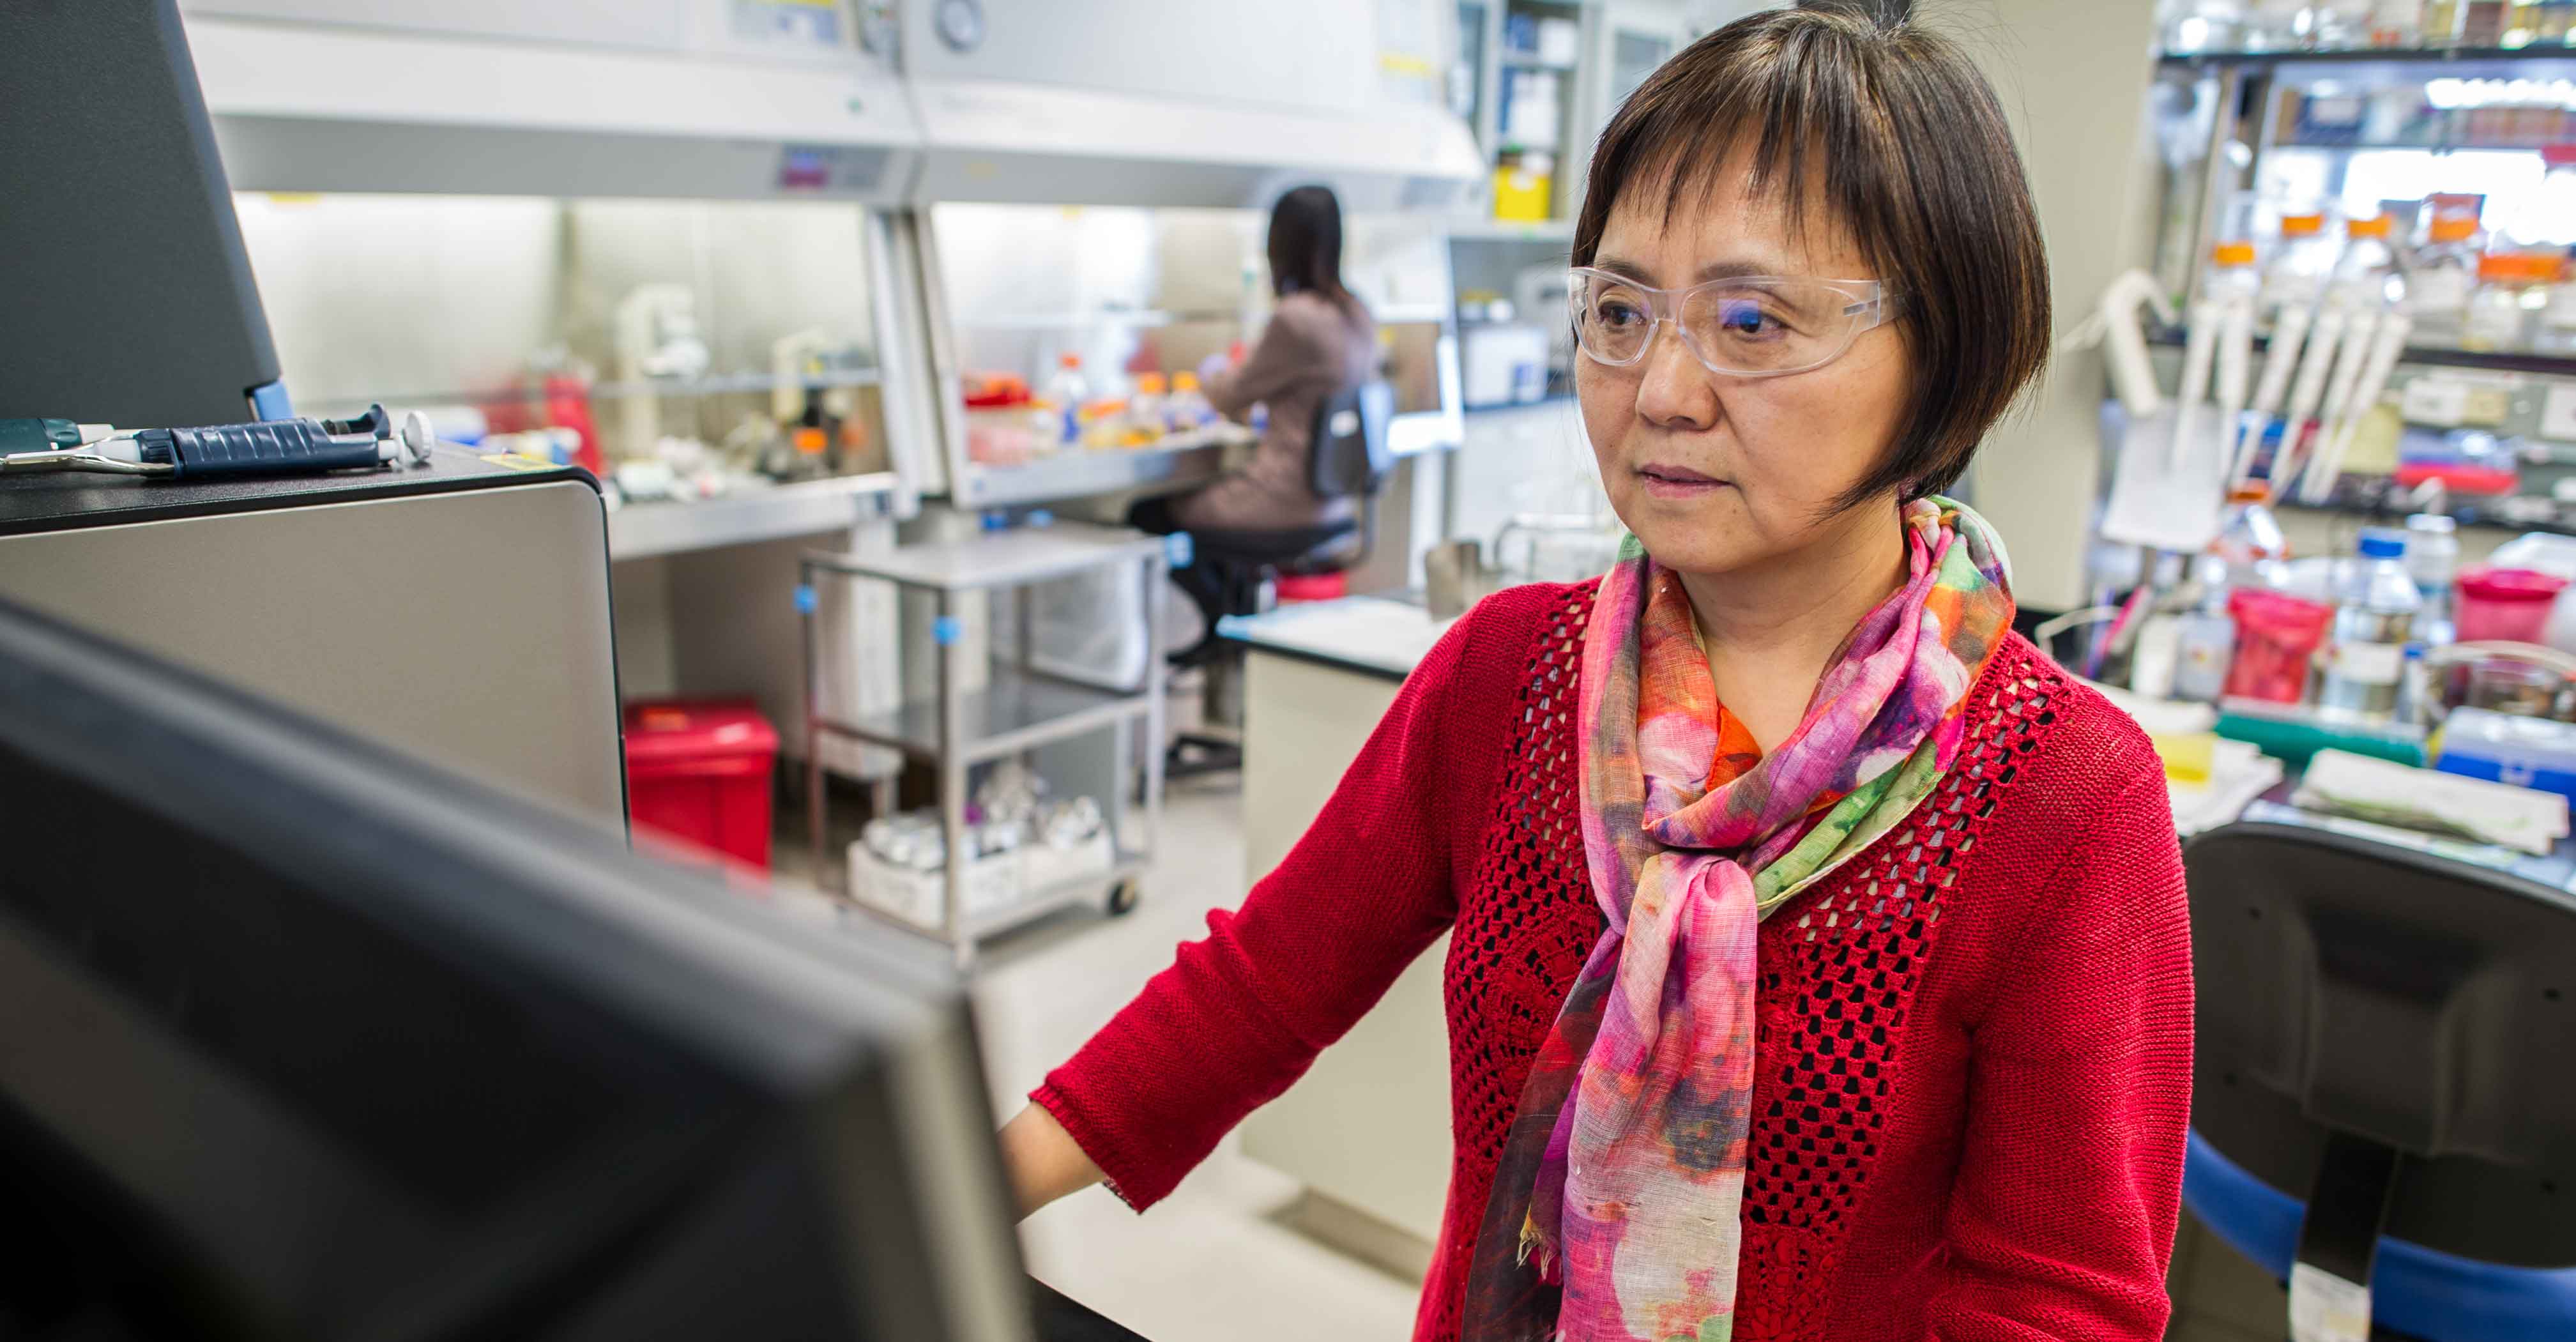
(642, 530)
(1073, 473)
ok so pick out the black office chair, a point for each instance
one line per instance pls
(2389, 1038)
(1349, 458)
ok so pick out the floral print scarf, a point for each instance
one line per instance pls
(1615, 1207)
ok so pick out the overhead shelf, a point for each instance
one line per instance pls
(1557, 231)
(499, 114)
(2375, 56)
(2499, 361)
(2436, 147)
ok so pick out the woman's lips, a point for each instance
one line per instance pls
(1677, 482)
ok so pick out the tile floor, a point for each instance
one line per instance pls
(1208, 1262)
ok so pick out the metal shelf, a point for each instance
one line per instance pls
(1017, 711)
(2442, 147)
(1081, 473)
(999, 559)
(2440, 56)
(2501, 361)
(640, 530)
(1557, 231)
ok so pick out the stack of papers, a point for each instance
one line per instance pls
(2238, 773)
(2435, 803)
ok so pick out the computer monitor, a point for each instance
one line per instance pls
(130, 296)
(301, 1038)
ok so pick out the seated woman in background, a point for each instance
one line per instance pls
(1321, 340)
(1821, 966)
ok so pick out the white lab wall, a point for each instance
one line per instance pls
(2073, 79)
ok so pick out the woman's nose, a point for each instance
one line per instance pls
(1674, 391)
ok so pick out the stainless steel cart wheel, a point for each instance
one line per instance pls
(1123, 896)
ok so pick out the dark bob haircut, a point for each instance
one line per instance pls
(1892, 131)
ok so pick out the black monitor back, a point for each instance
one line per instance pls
(300, 1038)
(129, 298)
(2421, 1003)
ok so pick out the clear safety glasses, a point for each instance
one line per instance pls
(1748, 326)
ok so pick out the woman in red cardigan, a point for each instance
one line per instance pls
(1820, 967)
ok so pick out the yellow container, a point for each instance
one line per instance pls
(2187, 759)
(1522, 196)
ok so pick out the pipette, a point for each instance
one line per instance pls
(2349, 359)
(223, 451)
(2289, 332)
(2199, 349)
(2235, 370)
(2387, 345)
(2324, 337)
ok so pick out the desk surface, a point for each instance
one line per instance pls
(51, 501)
(1381, 636)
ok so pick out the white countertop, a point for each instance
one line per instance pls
(1374, 635)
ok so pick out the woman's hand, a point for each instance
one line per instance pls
(1043, 1161)
(1213, 366)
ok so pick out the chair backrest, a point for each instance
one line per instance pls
(1350, 456)
(2354, 988)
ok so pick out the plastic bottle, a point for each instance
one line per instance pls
(1187, 407)
(1068, 389)
(2556, 332)
(1145, 407)
(2231, 273)
(2445, 273)
(2205, 645)
(2365, 277)
(2250, 541)
(2433, 561)
(2522, 23)
(2364, 659)
(2301, 265)
(2441, 26)
(2512, 286)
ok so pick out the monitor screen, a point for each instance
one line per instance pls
(302, 1037)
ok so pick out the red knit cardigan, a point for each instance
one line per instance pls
(1974, 1045)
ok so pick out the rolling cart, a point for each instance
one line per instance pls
(1018, 712)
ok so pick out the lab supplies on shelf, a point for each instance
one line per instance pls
(898, 864)
(2437, 802)
(2504, 748)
